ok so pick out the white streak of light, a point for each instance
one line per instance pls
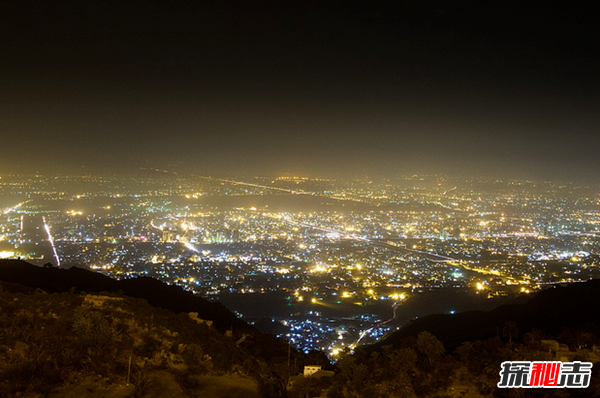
(190, 246)
(47, 228)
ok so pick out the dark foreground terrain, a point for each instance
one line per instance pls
(74, 333)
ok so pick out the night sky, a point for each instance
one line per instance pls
(507, 90)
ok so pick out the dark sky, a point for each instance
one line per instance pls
(329, 88)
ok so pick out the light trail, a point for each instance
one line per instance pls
(420, 252)
(184, 242)
(595, 234)
(189, 246)
(47, 228)
(15, 207)
(290, 191)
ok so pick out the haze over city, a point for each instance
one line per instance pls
(304, 88)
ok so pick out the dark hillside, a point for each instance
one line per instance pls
(573, 307)
(94, 345)
(158, 294)
(74, 332)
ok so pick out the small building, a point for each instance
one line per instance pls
(311, 370)
(316, 371)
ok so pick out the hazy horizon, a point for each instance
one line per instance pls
(459, 88)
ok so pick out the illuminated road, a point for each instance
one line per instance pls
(435, 256)
(290, 191)
(581, 233)
(47, 228)
(15, 207)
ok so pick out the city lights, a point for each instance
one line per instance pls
(367, 263)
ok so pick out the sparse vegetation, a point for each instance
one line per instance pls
(54, 344)
(75, 344)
